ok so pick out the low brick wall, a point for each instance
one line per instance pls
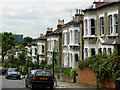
(64, 77)
(87, 76)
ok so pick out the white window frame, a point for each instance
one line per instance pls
(92, 27)
(102, 25)
(86, 27)
(111, 24)
(65, 38)
(116, 23)
(76, 37)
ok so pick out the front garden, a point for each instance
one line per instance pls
(103, 66)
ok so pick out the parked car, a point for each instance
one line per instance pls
(13, 73)
(39, 78)
(3, 70)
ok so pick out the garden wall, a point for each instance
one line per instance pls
(87, 76)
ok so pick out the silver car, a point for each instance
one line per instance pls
(13, 73)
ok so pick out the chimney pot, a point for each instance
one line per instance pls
(63, 22)
(58, 21)
(79, 12)
(76, 11)
(73, 17)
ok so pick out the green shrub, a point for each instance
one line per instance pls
(42, 66)
(66, 71)
(103, 66)
(72, 71)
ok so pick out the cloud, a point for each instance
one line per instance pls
(31, 19)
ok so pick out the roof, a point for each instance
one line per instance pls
(56, 32)
(102, 4)
(34, 42)
(76, 20)
(42, 37)
(112, 42)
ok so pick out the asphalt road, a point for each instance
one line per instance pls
(13, 84)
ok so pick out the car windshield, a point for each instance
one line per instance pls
(43, 73)
(12, 70)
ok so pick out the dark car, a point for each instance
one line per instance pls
(13, 73)
(39, 78)
(3, 70)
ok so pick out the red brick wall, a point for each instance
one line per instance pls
(87, 76)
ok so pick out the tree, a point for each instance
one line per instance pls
(8, 41)
(26, 40)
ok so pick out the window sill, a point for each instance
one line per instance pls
(64, 45)
(102, 35)
(41, 53)
(89, 36)
(113, 35)
(74, 45)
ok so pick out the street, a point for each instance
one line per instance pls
(13, 84)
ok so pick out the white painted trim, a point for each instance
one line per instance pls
(48, 39)
(53, 38)
(40, 43)
(74, 28)
(64, 51)
(112, 12)
(102, 15)
(64, 31)
(88, 17)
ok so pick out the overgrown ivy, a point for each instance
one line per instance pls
(104, 66)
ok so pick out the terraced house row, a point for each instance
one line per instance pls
(95, 30)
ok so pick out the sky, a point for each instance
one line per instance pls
(32, 17)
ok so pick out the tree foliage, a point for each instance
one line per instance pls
(8, 41)
(26, 40)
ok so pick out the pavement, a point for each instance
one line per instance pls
(68, 85)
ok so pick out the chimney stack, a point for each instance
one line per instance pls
(82, 11)
(63, 22)
(73, 18)
(49, 30)
(76, 11)
(79, 12)
(58, 21)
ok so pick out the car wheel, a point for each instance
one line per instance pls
(26, 85)
(6, 77)
(51, 87)
(32, 87)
